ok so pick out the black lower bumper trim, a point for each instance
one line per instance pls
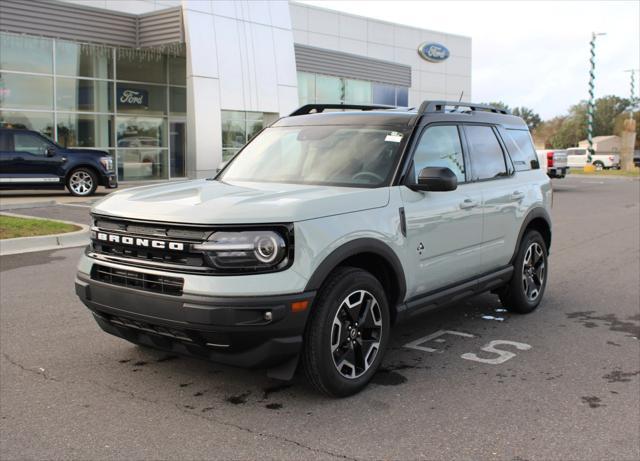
(234, 331)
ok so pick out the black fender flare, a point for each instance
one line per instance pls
(353, 248)
(536, 213)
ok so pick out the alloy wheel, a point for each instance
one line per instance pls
(356, 334)
(81, 182)
(533, 271)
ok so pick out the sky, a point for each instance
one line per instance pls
(528, 53)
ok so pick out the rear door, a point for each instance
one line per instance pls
(444, 229)
(503, 195)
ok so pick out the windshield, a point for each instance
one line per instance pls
(341, 155)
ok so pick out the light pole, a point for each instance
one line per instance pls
(632, 97)
(591, 107)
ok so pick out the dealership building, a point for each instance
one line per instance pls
(172, 88)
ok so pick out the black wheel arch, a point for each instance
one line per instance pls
(538, 219)
(373, 256)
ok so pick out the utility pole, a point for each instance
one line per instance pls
(629, 127)
(591, 107)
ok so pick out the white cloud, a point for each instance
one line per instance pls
(533, 53)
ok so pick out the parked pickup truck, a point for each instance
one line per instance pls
(554, 162)
(577, 158)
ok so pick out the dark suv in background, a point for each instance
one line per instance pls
(29, 160)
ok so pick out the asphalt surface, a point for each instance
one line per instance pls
(571, 391)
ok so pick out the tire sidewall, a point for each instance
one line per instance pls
(518, 294)
(94, 179)
(350, 281)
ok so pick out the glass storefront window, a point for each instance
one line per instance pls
(137, 164)
(85, 130)
(141, 132)
(140, 66)
(177, 101)
(384, 94)
(402, 97)
(329, 90)
(136, 98)
(177, 70)
(42, 122)
(84, 95)
(21, 91)
(357, 92)
(83, 60)
(178, 148)
(26, 54)
(306, 88)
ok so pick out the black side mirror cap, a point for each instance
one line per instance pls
(51, 152)
(436, 179)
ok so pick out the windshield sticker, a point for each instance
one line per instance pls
(394, 136)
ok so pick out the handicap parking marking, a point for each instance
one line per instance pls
(435, 337)
(503, 355)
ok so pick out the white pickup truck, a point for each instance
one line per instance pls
(577, 158)
(554, 162)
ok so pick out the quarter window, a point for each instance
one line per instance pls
(486, 154)
(521, 149)
(29, 143)
(440, 146)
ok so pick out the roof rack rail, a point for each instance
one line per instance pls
(318, 108)
(439, 106)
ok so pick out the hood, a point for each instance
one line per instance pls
(215, 202)
(96, 152)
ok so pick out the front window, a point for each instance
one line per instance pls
(352, 156)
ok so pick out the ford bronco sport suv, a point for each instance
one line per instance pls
(323, 232)
(29, 160)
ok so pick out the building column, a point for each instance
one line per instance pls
(204, 133)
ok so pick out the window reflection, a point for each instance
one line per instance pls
(83, 60)
(26, 54)
(42, 122)
(85, 130)
(84, 95)
(19, 91)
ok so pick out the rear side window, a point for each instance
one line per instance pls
(521, 149)
(440, 146)
(487, 157)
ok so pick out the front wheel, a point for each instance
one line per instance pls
(82, 182)
(347, 333)
(529, 280)
(599, 166)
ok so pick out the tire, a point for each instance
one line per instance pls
(526, 288)
(344, 343)
(82, 182)
(599, 165)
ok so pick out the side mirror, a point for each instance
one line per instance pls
(436, 179)
(51, 152)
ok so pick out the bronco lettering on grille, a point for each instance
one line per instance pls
(140, 242)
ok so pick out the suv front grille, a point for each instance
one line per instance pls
(138, 280)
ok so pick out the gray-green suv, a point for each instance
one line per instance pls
(327, 229)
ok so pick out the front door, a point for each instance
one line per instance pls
(178, 148)
(444, 229)
(35, 159)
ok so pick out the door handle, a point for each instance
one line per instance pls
(468, 203)
(517, 195)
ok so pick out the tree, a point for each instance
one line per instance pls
(528, 115)
(573, 127)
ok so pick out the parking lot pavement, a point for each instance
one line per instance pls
(561, 383)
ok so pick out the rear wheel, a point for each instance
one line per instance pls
(347, 333)
(82, 182)
(529, 280)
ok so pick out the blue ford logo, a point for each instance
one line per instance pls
(433, 52)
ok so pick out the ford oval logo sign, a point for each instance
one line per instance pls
(433, 52)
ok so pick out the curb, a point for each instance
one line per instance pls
(44, 242)
(18, 206)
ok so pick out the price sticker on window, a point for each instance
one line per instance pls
(394, 136)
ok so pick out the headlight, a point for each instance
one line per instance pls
(107, 163)
(245, 251)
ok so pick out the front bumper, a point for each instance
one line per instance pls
(109, 180)
(230, 330)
